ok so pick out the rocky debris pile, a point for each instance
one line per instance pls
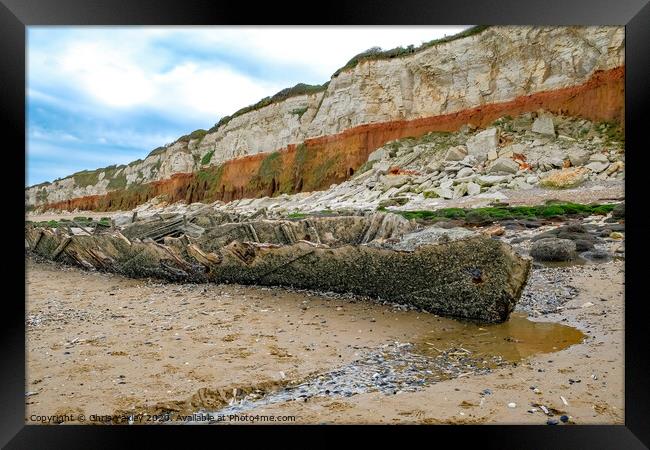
(547, 290)
(452, 272)
(532, 150)
(568, 242)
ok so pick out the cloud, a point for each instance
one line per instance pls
(97, 95)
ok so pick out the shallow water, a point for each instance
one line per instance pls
(450, 350)
(514, 340)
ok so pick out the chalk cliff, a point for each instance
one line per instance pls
(309, 141)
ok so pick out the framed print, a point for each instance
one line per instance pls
(411, 214)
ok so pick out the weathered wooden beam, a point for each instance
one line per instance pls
(206, 259)
(38, 239)
(82, 228)
(57, 251)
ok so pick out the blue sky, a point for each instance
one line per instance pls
(98, 96)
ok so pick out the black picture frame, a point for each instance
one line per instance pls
(16, 15)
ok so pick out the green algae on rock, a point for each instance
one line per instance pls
(452, 272)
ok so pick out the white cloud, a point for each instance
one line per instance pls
(116, 90)
(131, 67)
(321, 49)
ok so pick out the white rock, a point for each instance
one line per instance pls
(444, 192)
(460, 190)
(597, 166)
(381, 167)
(464, 172)
(473, 188)
(598, 157)
(379, 154)
(578, 156)
(544, 125)
(506, 165)
(456, 153)
(490, 180)
(482, 143)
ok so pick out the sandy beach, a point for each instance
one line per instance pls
(103, 345)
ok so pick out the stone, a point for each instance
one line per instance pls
(596, 166)
(482, 143)
(460, 190)
(121, 220)
(544, 125)
(504, 165)
(598, 157)
(464, 172)
(596, 255)
(532, 179)
(511, 149)
(446, 183)
(615, 167)
(492, 155)
(491, 180)
(444, 192)
(452, 168)
(381, 167)
(565, 178)
(619, 211)
(379, 154)
(553, 249)
(578, 156)
(473, 188)
(583, 245)
(469, 161)
(520, 183)
(395, 181)
(456, 153)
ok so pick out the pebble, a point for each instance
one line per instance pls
(552, 422)
(512, 405)
(564, 418)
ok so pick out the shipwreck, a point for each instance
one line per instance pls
(453, 272)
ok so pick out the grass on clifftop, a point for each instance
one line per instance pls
(376, 53)
(298, 89)
(492, 214)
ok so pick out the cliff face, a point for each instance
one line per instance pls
(308, 142)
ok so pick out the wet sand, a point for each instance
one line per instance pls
(102, 344)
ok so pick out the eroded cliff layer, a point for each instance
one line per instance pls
(308, 142)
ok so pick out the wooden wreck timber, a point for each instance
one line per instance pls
(452, 272)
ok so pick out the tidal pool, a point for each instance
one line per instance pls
(513, 340)
(449, 350)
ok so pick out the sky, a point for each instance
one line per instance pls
(98, 96)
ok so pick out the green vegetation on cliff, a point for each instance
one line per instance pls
(207, 158)
(298, 89)
(376, 53)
